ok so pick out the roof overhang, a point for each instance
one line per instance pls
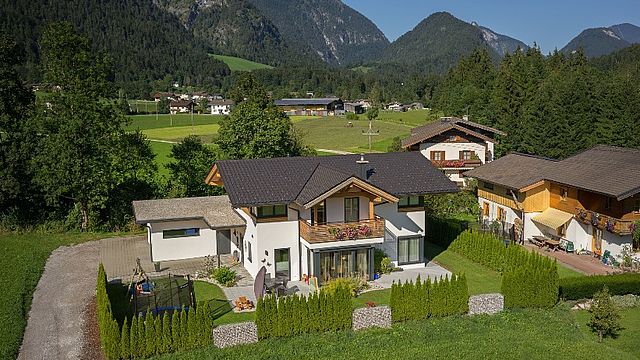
(214, 177)
(353, 181)
(418, 137)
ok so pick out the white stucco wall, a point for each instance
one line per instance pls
(335, 208)
(613, 243)
(182, 247)
(278, 235)
(398, 224)
(511, 214)
(530, 228)
(579, 234)
(452, 150)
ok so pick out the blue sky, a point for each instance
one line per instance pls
(550, 23)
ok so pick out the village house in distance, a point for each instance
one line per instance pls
(297, 216)
(591, 199)
(330, 106)
(454, 145)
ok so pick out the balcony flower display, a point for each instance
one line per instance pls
(595, 219)
(610, 225)
(351, 232)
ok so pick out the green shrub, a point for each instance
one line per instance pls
(225, 276)
(605, 317)
(125, 352)
(133, 339)
(165, 343)
(531, 283)
(354, 285)
(292, 315)
(584, 287)
(420, 300)
(352, 116)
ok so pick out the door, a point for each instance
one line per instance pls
(351, 209)
(596, 241)
(319, 214)
(223, 242)
(282, 263)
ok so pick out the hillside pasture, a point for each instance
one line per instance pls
(240, 64)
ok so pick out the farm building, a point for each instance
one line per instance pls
(318, 106)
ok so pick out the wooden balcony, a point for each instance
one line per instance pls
(604, 222)
(340, 231)
(441, 164)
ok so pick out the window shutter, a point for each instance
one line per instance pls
(433, 155)
(461, 154)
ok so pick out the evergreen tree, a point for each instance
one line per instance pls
(125, 342)
(150, 335)
(176, 335)
(134, 345)
(165, 344)
(605, 317)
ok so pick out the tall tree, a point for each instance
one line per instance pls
(256, 127)
(191, 160)
(16, 106)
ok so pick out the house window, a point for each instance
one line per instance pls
(437, 155)
(486, 185)
(319, 214)
(178, 233)
(249, 254)
(271, 211)
(485, 209)
(607, 203)
(411, 201)
(502, 214)
(562, 230)
(466, 154)
(409, 250)
(564, 193)
(453, 138)
(351, 209)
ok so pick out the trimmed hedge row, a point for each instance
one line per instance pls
(583, 287)
(528, 278)
(420, 300)
(293, 315)
(444, 231)
(151, 335)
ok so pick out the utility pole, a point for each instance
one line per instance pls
(369, 133)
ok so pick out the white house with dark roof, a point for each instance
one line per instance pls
(313, 216)
(454, 145)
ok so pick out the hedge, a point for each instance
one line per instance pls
(444, 231)
(583, 287)
(420, 300)
(528, 279)
(292, 315)
(149, 335)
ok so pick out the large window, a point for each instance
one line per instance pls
(178, 233)
(281, 257)
(411, 201)
(466, 154)
(351, 209)
(271, 211)
(437, 155)
(409, 250)
(344, 263)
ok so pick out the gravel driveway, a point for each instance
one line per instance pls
(55, 326)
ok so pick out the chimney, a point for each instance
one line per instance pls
(362, 162)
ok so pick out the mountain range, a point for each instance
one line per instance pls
(153, 39)
(604, 40)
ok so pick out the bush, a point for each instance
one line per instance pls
(352, 116)
(291, 315)
(355, 285)
(225, 276)
(605, 317)
(584, 287)
(386, 265)
(420, 300)
(443, 231)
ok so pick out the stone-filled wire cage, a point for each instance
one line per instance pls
(163, 293)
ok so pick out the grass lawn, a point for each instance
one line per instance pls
(178, 133)
(527, 334)
(627, 340)
(146, 122)
(240, 64)
(148, 106)
(223, 314)
(378, 297)
(162, 151)
(23, 257)
(332, 133)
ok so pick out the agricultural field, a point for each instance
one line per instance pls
(146, 122)
(522, 334)
(240, 64)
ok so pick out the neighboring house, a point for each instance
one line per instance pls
(330, 106)
(315, 216)
(394, 106)
(591, 199)
(454, 145)
(415, 106)
(164, 95)
(354, 107)
(181, 106)
(221, 107)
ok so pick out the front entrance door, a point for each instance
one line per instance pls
(596, 240)
(282, 263)
(223, 241)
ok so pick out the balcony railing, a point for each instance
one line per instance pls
(341, 231)
(604, 222)
(457, 163)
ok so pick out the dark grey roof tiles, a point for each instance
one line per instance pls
(514, 170)
(254, 182)
(216, 211)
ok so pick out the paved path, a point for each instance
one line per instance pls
(585, 264)
(55, 326)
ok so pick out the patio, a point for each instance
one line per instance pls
(586, 264)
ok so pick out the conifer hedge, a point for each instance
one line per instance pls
(292, 315)
(583, 287)
(528, 279)
(149, 335)
(420, 300)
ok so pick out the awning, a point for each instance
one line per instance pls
(552, 218)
